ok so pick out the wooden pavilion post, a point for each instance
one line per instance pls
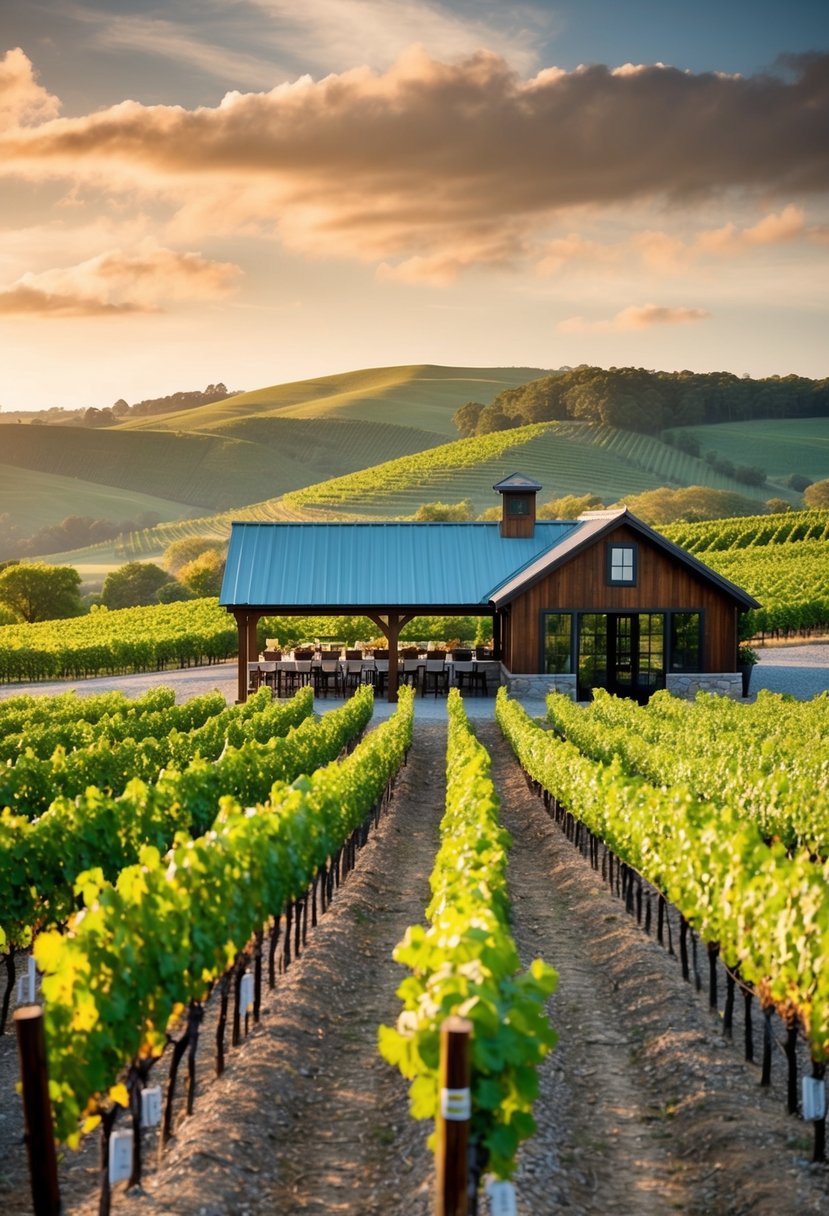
(246, 623)
(496, 635)
(390, 625)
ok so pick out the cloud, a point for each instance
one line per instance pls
(375, 32)
(634, 317)
(22, 99)
(428, 163)
(118, 283)
(22, 300)
(668, 254)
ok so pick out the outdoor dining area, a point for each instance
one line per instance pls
(339, 672)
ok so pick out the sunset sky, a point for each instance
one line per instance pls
(257, 191)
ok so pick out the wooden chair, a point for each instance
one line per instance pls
(327, 674)
(409, 671)
(353, 674)
(436, 674)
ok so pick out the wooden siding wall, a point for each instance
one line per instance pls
(581, 585)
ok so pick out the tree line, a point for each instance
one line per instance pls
(634, 399)
(33, 591)
(73, 532)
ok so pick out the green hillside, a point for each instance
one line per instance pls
(35, 500)
(781, 447)
(206, 471)
(565, 457)
(421, 395)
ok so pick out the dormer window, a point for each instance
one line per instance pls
(621, 565)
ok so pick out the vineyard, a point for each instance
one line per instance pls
(207, 858)
(782, 560)
(566, 455)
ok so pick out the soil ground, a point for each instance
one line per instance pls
(644, 1107)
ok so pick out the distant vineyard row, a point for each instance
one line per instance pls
(749, 531)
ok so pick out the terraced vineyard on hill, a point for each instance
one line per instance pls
(565, 457)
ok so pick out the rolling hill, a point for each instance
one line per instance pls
(373, 443)
(781, 447)
(565, 457)
(422, 395)
(244, 449)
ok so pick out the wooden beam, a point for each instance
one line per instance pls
(242, 658)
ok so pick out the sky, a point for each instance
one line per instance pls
(260, 191)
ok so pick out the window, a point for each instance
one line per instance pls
(517, 504)
(592, 671)
(686, 641)
(621, 565)
(558, 633)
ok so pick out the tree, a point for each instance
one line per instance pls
(203, 576)
(445, 511)
(133, 585)
(181, 552)
(571, 506)
(817, 494)
(466, 417)
(778, 506)
(34, 591)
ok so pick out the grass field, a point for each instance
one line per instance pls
(791, 445)
(35, 500)
(421, 395)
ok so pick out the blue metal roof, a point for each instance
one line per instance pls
(385, 564)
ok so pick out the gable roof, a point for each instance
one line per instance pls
(389, 564)
(352, 568)
(594, 526)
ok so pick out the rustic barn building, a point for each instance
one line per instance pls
(603, 601)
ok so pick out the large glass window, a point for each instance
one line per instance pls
(686, 641)
(651, 651)
(621, 565)
(592, 671)
(558, 643)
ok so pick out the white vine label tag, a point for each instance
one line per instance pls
(501, 1196)
(120, 1155)
(814, 1098)
(455, 1105)
(246, 992)
(151, 1106)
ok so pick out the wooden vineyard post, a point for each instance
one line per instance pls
(37, 1111)
(451, 1155)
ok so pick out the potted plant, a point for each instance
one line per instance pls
(746, 658)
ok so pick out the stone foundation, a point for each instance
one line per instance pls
(536, 686)
(723, 683)
(685, 686)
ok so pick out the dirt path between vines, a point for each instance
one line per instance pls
(644, 1109)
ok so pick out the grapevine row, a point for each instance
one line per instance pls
(30, 785)
(768, 761)
(466, 962)
(126, 640)
(26, 713)
(41, 860)
(749, 531)
(766, 912)
(146, 946)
